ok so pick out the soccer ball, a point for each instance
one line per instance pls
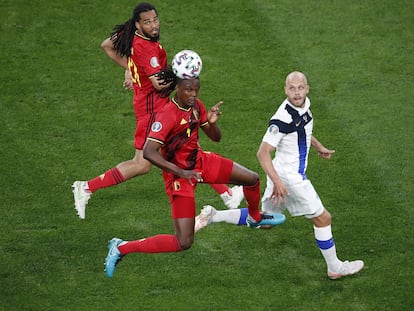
(187, 64)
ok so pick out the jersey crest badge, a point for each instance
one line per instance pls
(273, 129)
(183, 122)
(154, 62)
(156, 126)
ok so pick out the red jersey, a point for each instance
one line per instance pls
(146, 59)
(176, 128)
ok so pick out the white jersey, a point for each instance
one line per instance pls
(290, 132)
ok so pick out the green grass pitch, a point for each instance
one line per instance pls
(65, 116)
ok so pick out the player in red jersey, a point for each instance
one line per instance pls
(173, 146)
(135, 46)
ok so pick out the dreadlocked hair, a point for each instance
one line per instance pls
(123, 35)
(166, 75)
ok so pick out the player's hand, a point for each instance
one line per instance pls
(166, 76)
(128, 84)
(192, 176)
(280, 192)
(325, 153)
(214, 113)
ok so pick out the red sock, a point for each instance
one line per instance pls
(252, 195)
(162, 243)
(111, 177)
(220, 188)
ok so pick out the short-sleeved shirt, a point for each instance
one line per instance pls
(176, 129)
(290, 132)
(146, 59)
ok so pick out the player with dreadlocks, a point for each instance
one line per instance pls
(135, 46)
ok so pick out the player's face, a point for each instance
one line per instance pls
(149, 25)
(296, 90)
(187, 92)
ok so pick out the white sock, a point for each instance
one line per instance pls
(326, 244)
(231, 216)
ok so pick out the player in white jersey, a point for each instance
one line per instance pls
(290, 133)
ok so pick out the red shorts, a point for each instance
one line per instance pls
(145, 107)
(142, 129)
(214, 169)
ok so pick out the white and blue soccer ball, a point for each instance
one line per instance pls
(187, 64)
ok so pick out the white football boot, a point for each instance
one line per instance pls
(347, 268)
(81, 194)
(205, 217)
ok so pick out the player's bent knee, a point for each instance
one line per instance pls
(186, 243)
(254, 178)
(323, 220)
(185, 246)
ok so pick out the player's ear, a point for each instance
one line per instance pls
(137, 26)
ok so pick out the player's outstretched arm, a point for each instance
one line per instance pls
(322, 151)
(211, 129)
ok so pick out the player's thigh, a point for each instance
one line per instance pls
(303, 200)
(220, 170)
(243, 176)
(215, 169)
(183, 207)
(142, 129)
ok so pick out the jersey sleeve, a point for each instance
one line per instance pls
(150, 59)
(161, 127)
(272, 135)
(203, 113)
